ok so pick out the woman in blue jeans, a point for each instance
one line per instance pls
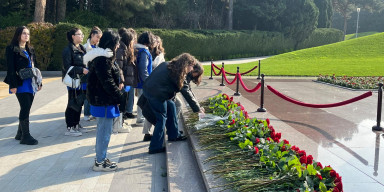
(160, 88)
(104, 95)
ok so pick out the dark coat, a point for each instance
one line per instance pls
(17, 60)
(74, 57)
(163, 86)
(129, 69)
(103, 83)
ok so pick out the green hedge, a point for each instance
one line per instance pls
(322, 36)
(50, 41)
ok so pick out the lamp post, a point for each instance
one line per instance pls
(357, 24)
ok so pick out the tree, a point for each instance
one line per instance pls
(40, 10)
(345, 8)
(61, 10)
(325, 13)
(230, 15)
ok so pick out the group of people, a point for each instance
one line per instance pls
(112, 68)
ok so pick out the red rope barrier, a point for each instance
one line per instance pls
(245, 87)
(367, 94)
(213, 69)
(230, 83)
(216, 66)
(249, 71)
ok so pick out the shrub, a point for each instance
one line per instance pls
(6, 37)
(42, 40)
(322, 36)
(60, 36)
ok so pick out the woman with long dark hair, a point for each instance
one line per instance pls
(20, 55)
(73, 57)
(104, 95)
(160, 88)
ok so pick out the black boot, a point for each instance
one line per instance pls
(18, 134)
(26, 137)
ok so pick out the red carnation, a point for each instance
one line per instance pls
(286, 142)
(302, 153)
(256, 150)
(278, 135)
(231, 99)
(339, 185)
(332, 173)
(335, 189)
(246, 115)
(309, 159)
(270, 127)
(295, 148)
(225, 96)
(303, 159)
(257, 140)
(273, 134)
(276, 140)
(269, 139)
(268, 122)
(233, 122)
(283, 148)
(319, 165)
(319, 176)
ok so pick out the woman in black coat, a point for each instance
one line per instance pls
(73, 56)
(160, 88)
(20, 55)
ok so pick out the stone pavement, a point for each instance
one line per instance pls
(63, 163)
(340, 137)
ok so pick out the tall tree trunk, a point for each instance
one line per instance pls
(89, 5)
(27, 8)
(40, 10)
(81, 5)
(50, 12)
(230, 15)
(61, 9)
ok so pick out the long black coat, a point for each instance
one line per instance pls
(17, 60)
(103, 83)
(129, 69)
(74, 57)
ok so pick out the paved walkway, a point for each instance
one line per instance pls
(63, 163)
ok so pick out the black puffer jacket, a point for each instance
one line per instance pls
(74, 57)
(103, 83)
(17, 60)
(129, 69)
(163, 86)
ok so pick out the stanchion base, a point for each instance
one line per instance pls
(210, 78)
(376, 128)
(258, 78)
(222, 84)
(237, 94)
(261, 110)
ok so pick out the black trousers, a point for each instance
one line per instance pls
(72, 117)
(25, 101)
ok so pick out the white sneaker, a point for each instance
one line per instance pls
(73, 132)
(125, 129)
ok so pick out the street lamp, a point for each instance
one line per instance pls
(357, 24)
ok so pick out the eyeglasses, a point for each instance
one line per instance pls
(80, 34)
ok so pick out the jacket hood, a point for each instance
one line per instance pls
(140, 46)
(97, 52)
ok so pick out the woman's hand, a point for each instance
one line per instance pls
(39, 88)
(85, 71)
(14, 90)
(121, 86)
(202, 110)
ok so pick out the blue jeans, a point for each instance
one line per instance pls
(87, 108)
(103, 135)
(165, 112)
(130, 101)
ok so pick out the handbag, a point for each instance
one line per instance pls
(26, 73)
(71, 82)
(76, 102)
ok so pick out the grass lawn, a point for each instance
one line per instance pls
(363, 56)
(353, 36)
